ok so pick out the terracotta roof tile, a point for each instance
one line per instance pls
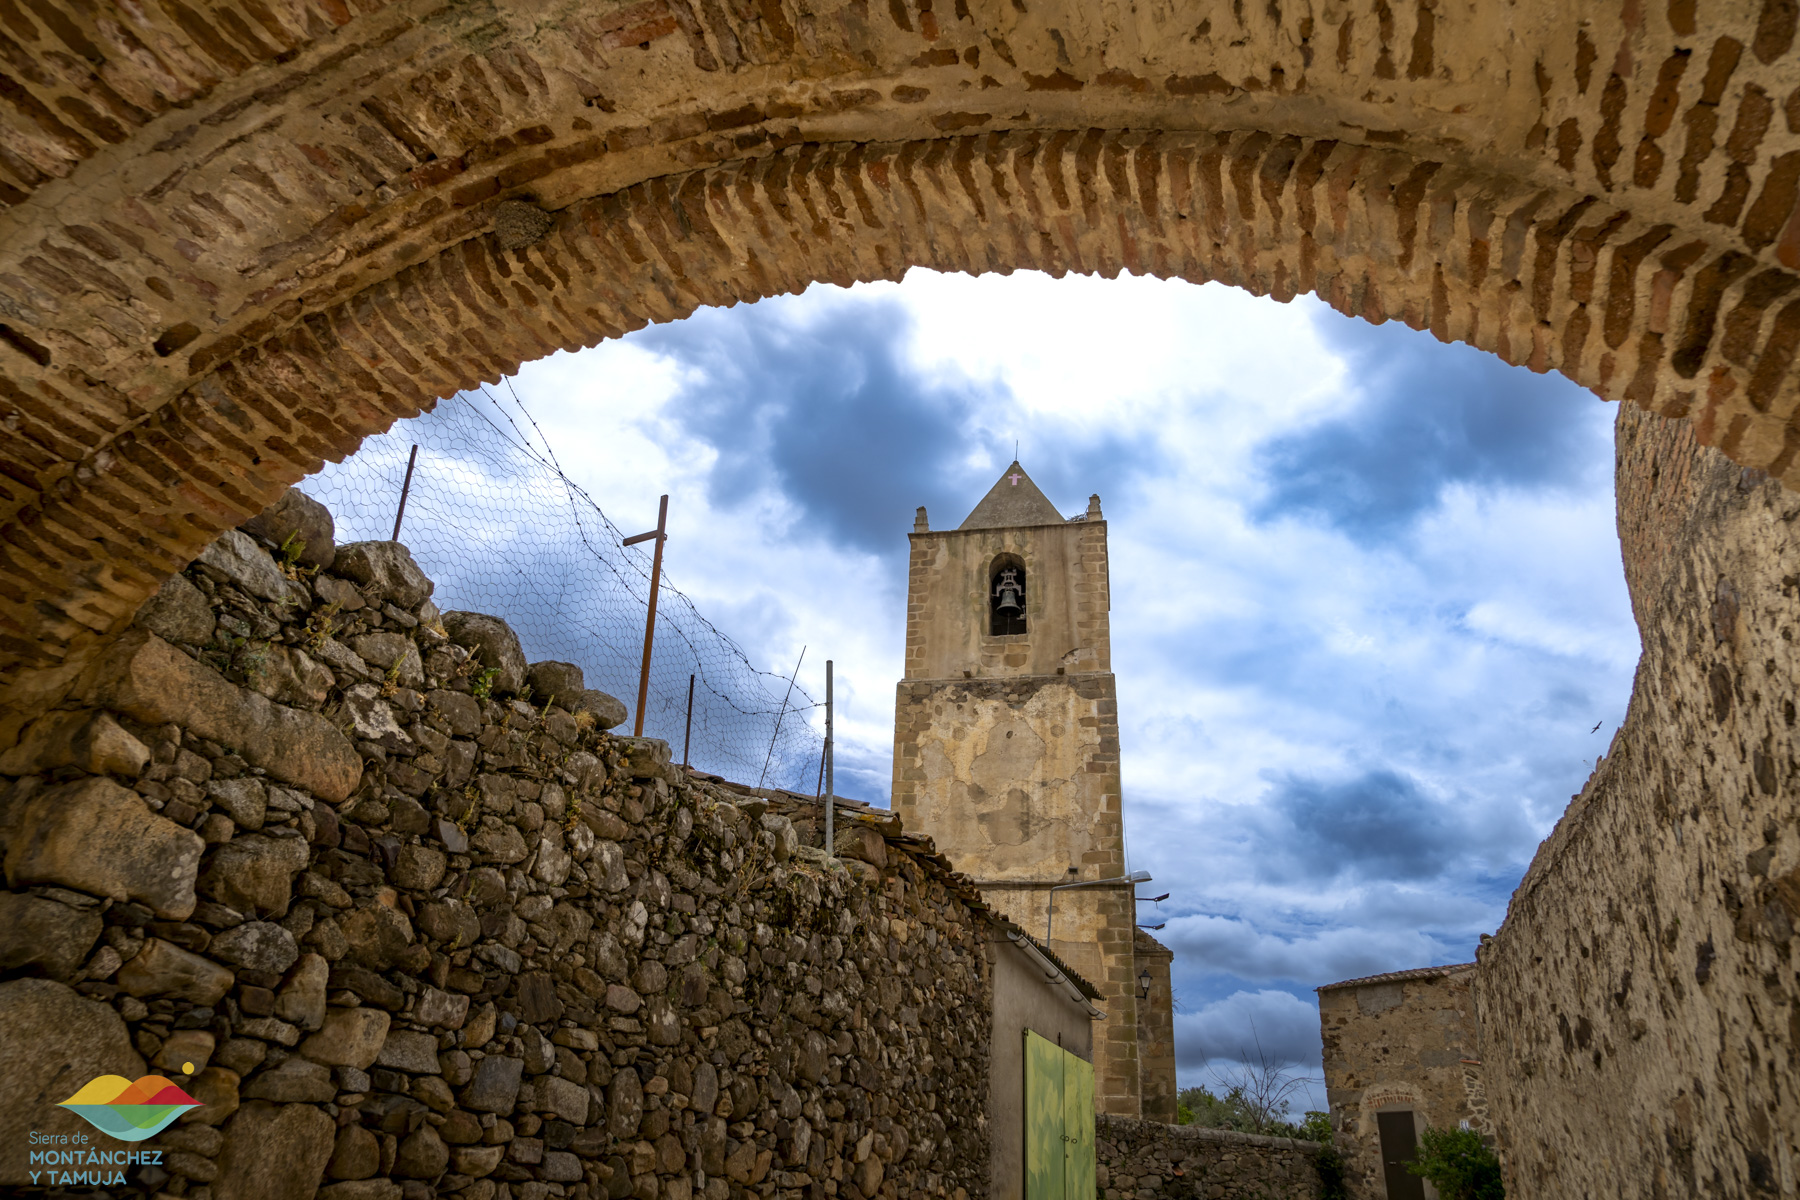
(1395, 976)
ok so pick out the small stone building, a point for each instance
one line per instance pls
(1034, 992)
(1156, 1027)
(1400, 1055)
(1006, 749)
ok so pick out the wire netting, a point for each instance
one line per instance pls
(492, 519)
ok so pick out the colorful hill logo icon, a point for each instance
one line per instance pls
(129, 1111)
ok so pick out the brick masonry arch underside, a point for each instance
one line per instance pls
(237, 241)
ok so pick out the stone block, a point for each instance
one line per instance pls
(164, 969)
(477, 1162)
(274, 1152)
(460, 710)
(97, 837)
(362, 1189)
(350, 1037)
(356, 1155)
(52, 1041)
(216, 1088)
(495, 645)
(561, 1167)
(557, 682)
(149, 680)
(89, 741)
(47, 935)
(645, 758)
(256, 946)
(254, 873)
(296, 1081)
(566, 1099)
(440, 1008)
(245, 800)
(856, 840)
(495, 1086)
(419, 868)
(236, 556)
(302, 997)
(177, 612)
(422, 1154)
(185, 1052)
(406, 1050)
(394, 655)
(302, 518)
(385, 569)
(341, 592)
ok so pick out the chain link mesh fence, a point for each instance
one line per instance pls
(494, 521)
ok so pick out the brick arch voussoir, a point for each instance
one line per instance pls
(1553, 280)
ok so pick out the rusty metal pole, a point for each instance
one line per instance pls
(687, 736)
(411, 461)
(830, 784)
(660, 533)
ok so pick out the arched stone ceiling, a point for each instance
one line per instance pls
(240, 235)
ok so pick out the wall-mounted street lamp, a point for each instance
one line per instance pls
(1144, 984)
(1136, 877)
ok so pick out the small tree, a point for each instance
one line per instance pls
(1263, 1087)
(1459, 1164)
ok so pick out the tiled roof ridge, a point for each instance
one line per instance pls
(1393, 976)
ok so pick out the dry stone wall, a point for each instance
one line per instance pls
(1147, 1160)
(1640, 1007)
(421, 926)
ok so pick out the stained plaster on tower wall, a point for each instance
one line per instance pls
(1024, 808)
(1012, 768)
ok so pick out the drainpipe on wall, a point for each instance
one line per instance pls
(1053, 975)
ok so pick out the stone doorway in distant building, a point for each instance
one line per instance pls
(1399, 1142)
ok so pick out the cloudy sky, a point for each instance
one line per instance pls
(1367, 598)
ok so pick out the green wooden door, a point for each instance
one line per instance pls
(1059, 1123)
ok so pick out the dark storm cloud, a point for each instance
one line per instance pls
(1378, 825)
(830, 412)
(1273, 1027)
(1431, 416)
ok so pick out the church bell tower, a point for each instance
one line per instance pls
(1006, 740)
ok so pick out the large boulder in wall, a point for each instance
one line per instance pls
(53, 1040)
(495, 645)
(274, 1152)
(386, 571)
(297, 515)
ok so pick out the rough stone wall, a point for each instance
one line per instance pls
(419, 941)
(1640, 1007)
(1406, 1041)
(238, 238)
(1147, 1160)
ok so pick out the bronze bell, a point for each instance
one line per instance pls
(1007, 589)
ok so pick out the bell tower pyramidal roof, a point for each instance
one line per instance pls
(1013, 500)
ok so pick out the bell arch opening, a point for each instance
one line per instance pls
(1007, 604)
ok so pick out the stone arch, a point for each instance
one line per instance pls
(237, 243)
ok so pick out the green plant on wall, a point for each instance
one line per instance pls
(1459, 1164)
(483, 687)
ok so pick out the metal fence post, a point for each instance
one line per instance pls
(687, 735)
(830, 794)
(400, 515)
(660, 533)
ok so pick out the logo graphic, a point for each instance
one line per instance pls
(129, 1111)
